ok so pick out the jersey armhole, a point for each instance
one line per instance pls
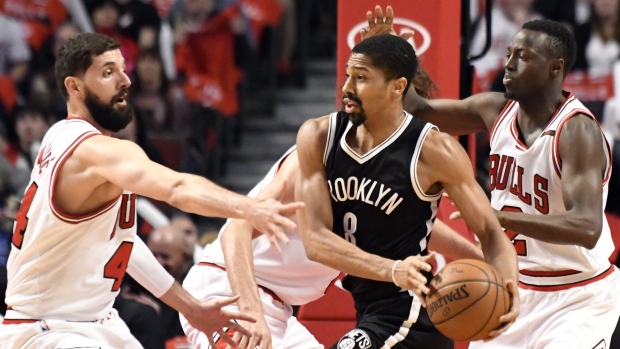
(555, 150)
(414, 166)
(63, 216)
(331, 134)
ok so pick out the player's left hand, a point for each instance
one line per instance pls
(509, 318)
(380, 25)
(261, 336)
(210, 317)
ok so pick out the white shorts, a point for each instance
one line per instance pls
(207, 283)
(108, 333)
(582, 317)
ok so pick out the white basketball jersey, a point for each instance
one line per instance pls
(290, 274)
(529, 180)
(64, 266)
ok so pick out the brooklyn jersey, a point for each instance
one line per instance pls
(529, 179)
(63, 266)
(304, 280)
(377, 203)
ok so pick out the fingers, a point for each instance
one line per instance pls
(429, 258)
(389, 15)
(363, 33)
(226, 338)
(379, 15)
(407, 35)
(274, 243)
(509, 318)
(238, 329)
(455, 215)
(370, 18)
(291, 208)
(239, 316)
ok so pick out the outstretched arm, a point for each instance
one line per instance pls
(207, 317)
(583, 164)
(316, 221)
(456, 117)
(443, 160)
(125, 164)
(236, 242)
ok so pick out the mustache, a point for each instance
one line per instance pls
(121, 94)
(353, 98)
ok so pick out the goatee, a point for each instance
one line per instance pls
(108, 115)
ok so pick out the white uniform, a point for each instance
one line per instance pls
(285, 279)
(569, 294)
(64, 271)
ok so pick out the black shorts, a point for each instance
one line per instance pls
(387, 321)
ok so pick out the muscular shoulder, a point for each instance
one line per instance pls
(442, 157)
(313, 134)
(580, 133)
(102, 149)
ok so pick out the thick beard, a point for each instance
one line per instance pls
(108, 116)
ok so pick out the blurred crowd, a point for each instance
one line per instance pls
(199, 67)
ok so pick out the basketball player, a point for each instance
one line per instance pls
(75, 231)
(269, 282)
(371, 177)
(549, 167)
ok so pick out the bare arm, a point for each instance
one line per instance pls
(456, 117)
(583, 170)
(125, 164)
(236, 242)
(316, 221)
(451, 244)
(443, 160)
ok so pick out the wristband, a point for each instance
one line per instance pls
(393, 270)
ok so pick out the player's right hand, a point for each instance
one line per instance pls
(380, 25)
(261, 336)
(509, 318)
(209, 317)
(407, 275)
(269, 216)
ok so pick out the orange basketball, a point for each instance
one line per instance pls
(467, 298)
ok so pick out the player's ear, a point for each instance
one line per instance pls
(556, 67)
(399, 86)
(73, 85)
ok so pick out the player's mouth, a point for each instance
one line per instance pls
(349, 105)
(122, 100)
(508, 80)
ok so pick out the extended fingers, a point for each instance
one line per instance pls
(389, 15)
(379, 15)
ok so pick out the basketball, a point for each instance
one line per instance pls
(466, 299)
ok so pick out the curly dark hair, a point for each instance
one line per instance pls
(392, 54)
(561, 43)
(76, 56)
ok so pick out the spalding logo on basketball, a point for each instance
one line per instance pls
(421, 40)
(466, 300)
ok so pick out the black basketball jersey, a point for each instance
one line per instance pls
(376, 201)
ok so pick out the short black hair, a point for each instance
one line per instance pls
(561, 43)
(392, 54)
(76, 55)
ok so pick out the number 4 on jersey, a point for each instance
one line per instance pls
(21, 219)
(519, 244)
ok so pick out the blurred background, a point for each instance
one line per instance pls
(220, 88)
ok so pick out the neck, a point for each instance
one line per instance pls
(539, 108)
(377, 128)
(80, 111)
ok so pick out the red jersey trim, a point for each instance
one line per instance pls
(268, 291)
(555, 154)
(17, 321)
(63, 216)
(501, 117)
(539, 273)
(551, 288)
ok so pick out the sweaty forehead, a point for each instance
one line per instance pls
(530, 40)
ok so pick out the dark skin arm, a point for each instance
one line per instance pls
(316, 222)
(444, 163)
(583, 169)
